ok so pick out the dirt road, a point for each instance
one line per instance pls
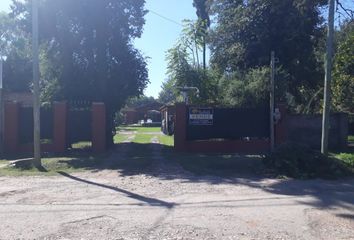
(107, 205)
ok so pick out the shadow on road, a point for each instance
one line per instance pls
(147, 200)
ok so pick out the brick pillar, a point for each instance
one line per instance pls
(180, 127)
(60, 118)
(280, 127)
(98, 127)
(11, 120)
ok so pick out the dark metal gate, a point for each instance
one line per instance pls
(79, 124)
(227, 123)
(26, 124)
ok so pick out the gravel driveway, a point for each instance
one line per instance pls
(166, 202)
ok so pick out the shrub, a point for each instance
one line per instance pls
(299, 161)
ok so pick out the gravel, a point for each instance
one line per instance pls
(165, 202)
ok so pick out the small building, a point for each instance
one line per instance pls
(146, 111)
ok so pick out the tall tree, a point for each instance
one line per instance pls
(89, 50)
(247, 31)
(203, 23)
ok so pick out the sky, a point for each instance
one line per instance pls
(161, 34)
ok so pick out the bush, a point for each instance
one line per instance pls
(299, 161)
(347, 158)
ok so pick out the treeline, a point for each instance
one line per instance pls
(241, 35)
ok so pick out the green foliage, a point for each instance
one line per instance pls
(140, 101)
(14, 45)
(203, 24)
(298, 161)
(251, 88)
(246, 32)
(343, 74)
(347, 158)
(182, 72)
(168, 93)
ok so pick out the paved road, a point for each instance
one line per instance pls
(167, 203)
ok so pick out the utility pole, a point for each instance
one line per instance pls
(36, 102)
(328, 76)
(272, 91)
(1, 110)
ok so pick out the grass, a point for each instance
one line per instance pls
(142, 138)
(139, 129)
(346, 158)
(166, 140)
(81, 145)
(351, 139)
(70, 162)
(119, 138)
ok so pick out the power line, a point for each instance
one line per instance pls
(166, 18)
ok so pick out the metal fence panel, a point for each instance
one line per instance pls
(26, 124)
(231, 123)
(79, 125)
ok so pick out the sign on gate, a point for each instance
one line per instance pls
(201, 116)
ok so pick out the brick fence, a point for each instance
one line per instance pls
(12, 143)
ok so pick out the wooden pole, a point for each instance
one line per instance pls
(36, 102)
(1, 110)
(327, 81)
(272, 65)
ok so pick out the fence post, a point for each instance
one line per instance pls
(180, 127)
(11, 139)
(98, 127)
(60, 121)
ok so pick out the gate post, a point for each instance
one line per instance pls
(60, 113)
(98, 127)
(180, 135)
(11, 139)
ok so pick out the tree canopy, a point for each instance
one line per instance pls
(247, 31)
(15, 48)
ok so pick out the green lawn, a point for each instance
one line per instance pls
(139, 129)
(351, 139)
(142, 138)
(141, 135)
(52, 165)
(119, 138)
(347, 159)
(166, 140)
